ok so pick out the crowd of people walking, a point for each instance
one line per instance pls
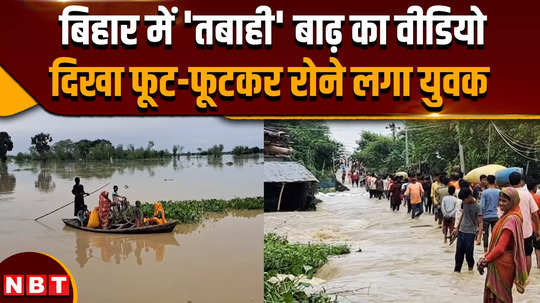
(501, 217)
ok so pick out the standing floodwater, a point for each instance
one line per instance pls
(402, 260)
(204, 262)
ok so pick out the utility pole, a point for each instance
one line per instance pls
(461, 157)
(393, 128)
(407, 147)
(489, 141)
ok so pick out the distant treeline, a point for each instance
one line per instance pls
(43, 148)
(245, 150)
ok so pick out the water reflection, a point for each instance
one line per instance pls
(45, 182)
(99, 169)
(106, 169)
(118, 248)
(7, 181)
(177, 165)
(215, 161)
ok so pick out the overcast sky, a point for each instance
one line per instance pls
(349, 131)
(190, 132)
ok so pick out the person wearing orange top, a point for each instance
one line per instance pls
(415, 191)
(454, 181)
(159, 215)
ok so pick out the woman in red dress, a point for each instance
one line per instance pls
(505, 260)
(104, 209)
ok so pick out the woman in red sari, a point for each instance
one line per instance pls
(104, 209)
(505, 260)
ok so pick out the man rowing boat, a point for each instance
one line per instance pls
(79, 193)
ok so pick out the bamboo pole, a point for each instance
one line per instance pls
(280, 194)
(59, 208)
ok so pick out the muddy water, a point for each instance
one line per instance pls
(398, 262)
(218, 260)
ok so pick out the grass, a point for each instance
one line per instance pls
(292, 291)
(282, 257)
(194, 211)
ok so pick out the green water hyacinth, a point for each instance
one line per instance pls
(282, 257)
(194, 211)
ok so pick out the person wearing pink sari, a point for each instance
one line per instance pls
(505, 261)
(104, 209)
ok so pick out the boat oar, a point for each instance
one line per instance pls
(59, 208)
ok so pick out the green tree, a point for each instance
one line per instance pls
(434, 146)
(312, 145)
(41, 142)
(101, 150)
(240, 150)
(215, 151)
(379, 154)
(82, 148)
(5, 145)
(64, 150)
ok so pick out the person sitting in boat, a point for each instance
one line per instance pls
(121, 200)
(121, 204)
(134, 214)
(83, 215)
(159, 215)
(104, 209)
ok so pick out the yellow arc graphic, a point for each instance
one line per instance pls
(13, 99)
(72, 280)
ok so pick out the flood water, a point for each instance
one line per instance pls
(399, 262)
(218, 260)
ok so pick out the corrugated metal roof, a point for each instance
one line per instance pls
(287, 171)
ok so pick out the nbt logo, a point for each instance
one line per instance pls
(36, 285)
(36, 277)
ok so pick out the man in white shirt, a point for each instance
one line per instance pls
(386, 187)
(529, 211)
(449, 207)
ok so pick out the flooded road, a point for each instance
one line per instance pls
(218, 260)
(398, 262)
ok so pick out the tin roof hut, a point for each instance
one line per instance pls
(288, 186)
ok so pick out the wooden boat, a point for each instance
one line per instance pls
(147, 229)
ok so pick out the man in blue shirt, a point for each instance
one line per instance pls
(489, 203)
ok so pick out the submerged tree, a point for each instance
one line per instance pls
(7, 181)
(177, 150)
(40, 143)
(45, 182)
(215, 151)
(5, 145)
